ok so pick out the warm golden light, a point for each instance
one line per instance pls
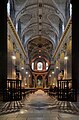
(53, 72)
(29, 75)
(21, 111)
(26, 72)
(49, 75)
(39, 50)
(57, 67)
(66, 58)
(13, 57)
(22, 68)
(39, 56)
(53, 83)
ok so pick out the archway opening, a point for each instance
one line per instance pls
(39, 81)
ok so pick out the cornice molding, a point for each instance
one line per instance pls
(63, 36)
(9, 21)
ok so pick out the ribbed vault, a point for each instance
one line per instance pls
(40, 21)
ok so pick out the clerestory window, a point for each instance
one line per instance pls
(8, 7)
(39, 66)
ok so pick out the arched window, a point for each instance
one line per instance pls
(8, 7)
(32, 65)
(70, 9)
(16, 26)
(39, 66)
(63, 27)
(46, 66)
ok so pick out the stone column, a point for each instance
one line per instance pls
(44, 63)
(57, 69)
(65, 66)
(69, 61)
(44, 81)
(9, 57)
(28, 81)
(53, 81)
(49, 79)
(62, 61)
(35, 78)
(3, 44)
(65, 61)
(35, 65)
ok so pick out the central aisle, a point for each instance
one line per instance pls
(40, 106)
(39, 100)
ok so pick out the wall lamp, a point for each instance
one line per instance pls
(66, 57)
(22, 68)
(52, 72)
(56, 67)
(26, 73)
(13, 57)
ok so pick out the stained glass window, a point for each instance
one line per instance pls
(32, 65)
(8, 7)
(39, 66)
(46, 66)
(70, 9)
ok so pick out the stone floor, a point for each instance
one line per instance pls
(39, 106)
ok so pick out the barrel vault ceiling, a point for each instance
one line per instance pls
(40, 25)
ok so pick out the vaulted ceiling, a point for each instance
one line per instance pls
(40, 47)
(40, 25)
